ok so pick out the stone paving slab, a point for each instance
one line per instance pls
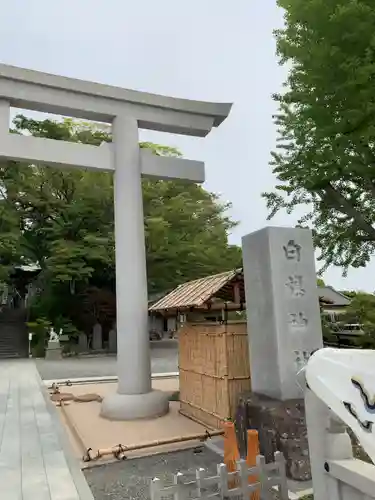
(35, 457)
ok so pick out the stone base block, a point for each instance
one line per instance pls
(281, 426)
(135, 406)
(54, 353)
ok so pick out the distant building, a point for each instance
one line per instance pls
(337, 302)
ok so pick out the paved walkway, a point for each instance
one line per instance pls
(164, 358)
(35, 458)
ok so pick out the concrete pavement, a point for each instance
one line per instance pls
(35, 457)
(164, 358)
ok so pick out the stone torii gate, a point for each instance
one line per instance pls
(126, 110)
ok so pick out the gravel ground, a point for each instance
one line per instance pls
(164, 358)
(131, 479)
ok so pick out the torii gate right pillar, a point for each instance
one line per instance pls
(134, 398)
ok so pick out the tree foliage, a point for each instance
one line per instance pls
(62, 220)
(362, 311)
(325, 158)
(320, 282)
(349, 293)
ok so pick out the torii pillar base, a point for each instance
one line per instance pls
(135, 406)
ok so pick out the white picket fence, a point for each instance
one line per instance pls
(270, 477)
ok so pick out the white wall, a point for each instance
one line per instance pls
(155, 323)
(172, 323)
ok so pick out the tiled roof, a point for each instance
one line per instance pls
(336, 298)
(198, 292)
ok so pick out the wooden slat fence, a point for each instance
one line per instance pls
(271, 479)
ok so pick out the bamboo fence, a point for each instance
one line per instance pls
(214, 370)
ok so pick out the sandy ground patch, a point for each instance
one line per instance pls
(96, 432)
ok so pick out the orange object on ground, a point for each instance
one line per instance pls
(231, 453)
(251, 458)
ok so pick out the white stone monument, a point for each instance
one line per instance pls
(282, 304)
(82, 342)
(112, 339)
(53, 350)
(126, 110)
(97, 337)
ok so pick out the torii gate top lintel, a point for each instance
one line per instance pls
(29, 89)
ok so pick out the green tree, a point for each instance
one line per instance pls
(362, 311)
(10, 234)
(349, 293)
(325, 158)
(186, 234)
(62, 219)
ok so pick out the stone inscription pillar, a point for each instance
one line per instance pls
(284, 328)
(282, 305)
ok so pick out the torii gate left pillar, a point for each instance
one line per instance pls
(126, 110)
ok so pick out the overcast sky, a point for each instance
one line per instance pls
(199, 49)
